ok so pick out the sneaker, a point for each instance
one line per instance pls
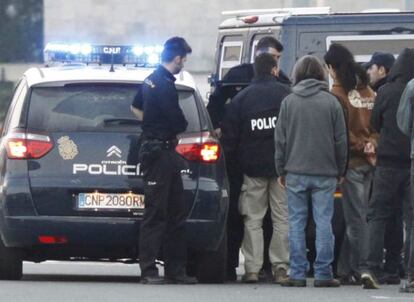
(407, 287)
(293, 282)
(181, 279)
(326, 283)
(280, 275)
(369, 281)
(152, 280)
(250, 278)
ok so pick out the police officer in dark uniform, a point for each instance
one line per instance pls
(164, 218)
(236, 79)
(252, 117)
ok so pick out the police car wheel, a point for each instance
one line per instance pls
(11, 263)
(211, 265)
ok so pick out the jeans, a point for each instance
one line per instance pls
(355, 190)
(391, 189)
(322, 190)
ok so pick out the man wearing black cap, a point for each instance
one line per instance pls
(391, 186)
(378, 68)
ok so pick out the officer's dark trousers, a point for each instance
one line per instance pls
(235, 220)
(164, 218)
(391, 189)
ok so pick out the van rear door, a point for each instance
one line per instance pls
(232, 49)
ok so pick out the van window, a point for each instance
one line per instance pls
(364, 46)
(231, 55)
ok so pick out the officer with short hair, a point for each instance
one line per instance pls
(251, 119)
(163, 223)
(236, 79)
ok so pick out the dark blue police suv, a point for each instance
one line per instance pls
(70, 181)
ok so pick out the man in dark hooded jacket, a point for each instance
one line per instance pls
(391, 188)
(251, 117)
(236, 79)
(378, 69)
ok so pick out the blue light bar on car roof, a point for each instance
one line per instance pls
(138, 55)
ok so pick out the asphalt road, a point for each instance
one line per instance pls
(74, 281)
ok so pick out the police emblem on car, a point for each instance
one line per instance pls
(67, 148)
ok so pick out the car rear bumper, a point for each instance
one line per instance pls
(24, 231)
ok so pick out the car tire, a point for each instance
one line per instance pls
(11, 263)
(211, 265)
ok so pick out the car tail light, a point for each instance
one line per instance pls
(204, 148)
(52, 239)
(21, 145)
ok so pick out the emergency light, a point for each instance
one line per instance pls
(139, 55)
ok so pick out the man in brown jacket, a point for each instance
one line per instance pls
(351, 88)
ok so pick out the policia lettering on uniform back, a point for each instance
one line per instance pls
(164, 218)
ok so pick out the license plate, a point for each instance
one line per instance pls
(107, 201)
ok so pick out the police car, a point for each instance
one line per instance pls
(70, 182)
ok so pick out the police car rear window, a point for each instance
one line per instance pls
(89, 107)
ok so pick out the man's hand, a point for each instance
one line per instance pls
(282, 181)
(369, 148)
(370, 153)
(341, 180)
